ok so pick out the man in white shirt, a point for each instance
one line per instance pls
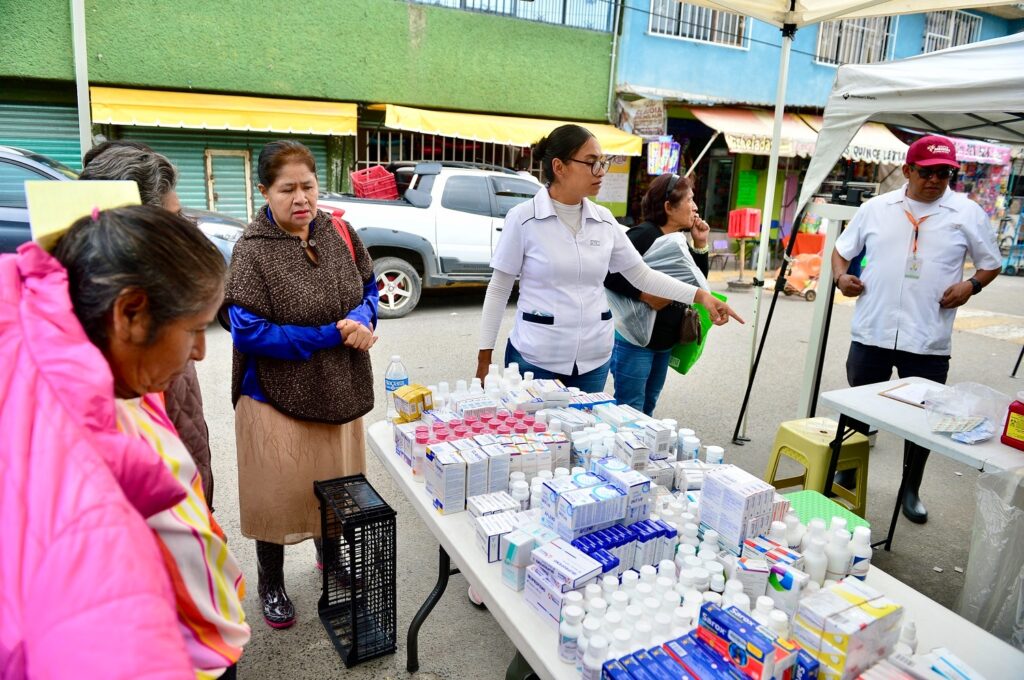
(916, 239)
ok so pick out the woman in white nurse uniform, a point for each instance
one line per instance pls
(561, 245)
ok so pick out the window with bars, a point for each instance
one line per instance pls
(596, 15)
(692, 22)
(855, 41)
(949, 29)
(381, 146)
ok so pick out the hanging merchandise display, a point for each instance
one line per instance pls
(663, 156)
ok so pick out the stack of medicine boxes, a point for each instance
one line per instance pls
(847, 627)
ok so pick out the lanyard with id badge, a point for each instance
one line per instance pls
(913, 270)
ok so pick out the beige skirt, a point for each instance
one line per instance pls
(279, 458)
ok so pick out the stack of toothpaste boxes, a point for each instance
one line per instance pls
(847, 627)
(726, 643)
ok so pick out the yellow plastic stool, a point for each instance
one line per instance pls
(808, 442)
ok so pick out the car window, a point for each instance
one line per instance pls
(511, 192)
(12, 184)
(466, 194)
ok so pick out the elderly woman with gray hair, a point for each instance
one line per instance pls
(157, 178)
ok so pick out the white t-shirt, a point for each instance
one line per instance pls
(562, 317)
(900, 312)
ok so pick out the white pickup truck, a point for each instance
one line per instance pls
(442, 230)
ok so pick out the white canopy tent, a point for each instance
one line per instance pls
(790, 16)
(974, 90)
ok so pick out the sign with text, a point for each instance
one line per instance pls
(662, 156)
(644, 117)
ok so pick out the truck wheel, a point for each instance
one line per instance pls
(399, 287)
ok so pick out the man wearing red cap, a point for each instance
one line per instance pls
(916, 239)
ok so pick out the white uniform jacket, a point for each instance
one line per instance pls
(897, 311)
(562, 318)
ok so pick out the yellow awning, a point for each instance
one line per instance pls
(503, 129)
(155, 108)
(873, 143)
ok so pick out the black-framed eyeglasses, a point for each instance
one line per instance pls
(942, 172)
(595, 166)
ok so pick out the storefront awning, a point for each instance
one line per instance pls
(502, 129)
(873, 143)
(750, 131)
(155, 108)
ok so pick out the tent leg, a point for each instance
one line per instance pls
(788, 33)
(700, 156)
(780, 286)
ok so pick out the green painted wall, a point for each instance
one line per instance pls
(348, 50)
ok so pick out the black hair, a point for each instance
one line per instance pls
(562, 143)
(652, 207)
(138, 247)
(152, 172)
(276, 155)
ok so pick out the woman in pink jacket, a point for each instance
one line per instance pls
(85, 350)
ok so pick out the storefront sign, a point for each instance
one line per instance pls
(973, 151)
(644, 117)
(872, 154)
(759, 145)
(662, 156)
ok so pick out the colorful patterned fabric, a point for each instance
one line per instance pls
(207, 581)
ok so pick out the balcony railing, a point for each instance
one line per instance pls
(596, 15)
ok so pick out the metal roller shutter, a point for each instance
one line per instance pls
(187, 150)
(45, 129)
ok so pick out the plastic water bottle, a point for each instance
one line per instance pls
(396, 376)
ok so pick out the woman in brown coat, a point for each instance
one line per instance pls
(302, 301)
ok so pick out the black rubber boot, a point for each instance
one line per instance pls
(278, 610)
(913, 508)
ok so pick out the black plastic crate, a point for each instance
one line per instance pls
(357, 607)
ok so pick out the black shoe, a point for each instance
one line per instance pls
(278, 610)
(913, 508)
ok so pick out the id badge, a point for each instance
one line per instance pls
(913, 267)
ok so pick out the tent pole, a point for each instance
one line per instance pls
(788, 33)
(707, 146)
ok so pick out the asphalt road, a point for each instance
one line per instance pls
(439, 341)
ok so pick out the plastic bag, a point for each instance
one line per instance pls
(993, 592)
(966, 407)
(669, 254)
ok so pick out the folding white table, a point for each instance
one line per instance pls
(863, 406)
(536, 641)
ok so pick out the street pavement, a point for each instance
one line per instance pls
(438, 341)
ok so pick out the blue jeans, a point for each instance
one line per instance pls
(639, 374)
(591, 381)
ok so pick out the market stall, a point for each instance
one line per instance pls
(605, 541)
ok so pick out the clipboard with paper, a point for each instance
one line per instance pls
(909, 393)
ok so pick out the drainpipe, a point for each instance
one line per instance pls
(81, 74)
(618, 9)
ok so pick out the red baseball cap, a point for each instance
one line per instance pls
(932, 150)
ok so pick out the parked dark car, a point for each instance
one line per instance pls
(18, 165)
